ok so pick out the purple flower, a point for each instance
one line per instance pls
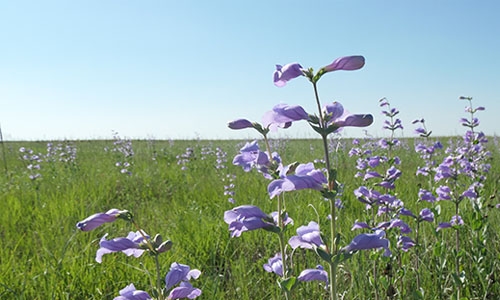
(286, 73)
(308, 237)
(425, 195)
(250, 156)
(405, 243)
(367, 241)
(346, 63)
(180, 273)
(443, 192)
(335, 116)
(282, 115)
(131, 245)
(426, 215)
(98, 219)
(314, 274)
(246, 218)
(305, 177)
(455, 221)
(130, 293)
(240, 124)
(275, 265)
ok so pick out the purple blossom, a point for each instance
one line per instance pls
(360, 225)
(131, 245)
(405, 243)
(98, 219)
(443, 192)
(335, 116)
(245, 218)
(285, 73)
(455, 221)
(314, 274)
(308, 237)
(426, 215)
(367, 241)
(240, 124)
(346, 63)
(425, 195)
(275, 265)
(130, 293)
(251, 157)
(282, 115)
(305, 177)
(180, 273)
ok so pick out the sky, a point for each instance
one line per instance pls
(183, 69)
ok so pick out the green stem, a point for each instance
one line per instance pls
(158, 278)
(282, 239)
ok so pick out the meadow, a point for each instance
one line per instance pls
(177, 188)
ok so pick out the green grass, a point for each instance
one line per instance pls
(44, 256)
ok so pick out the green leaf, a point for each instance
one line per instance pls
(287, 284)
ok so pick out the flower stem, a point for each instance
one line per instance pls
(158, 278)
(282, 238)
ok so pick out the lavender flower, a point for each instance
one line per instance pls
(282, 115)
(285, 73)
(454, 222)
(336, 117)
(367, 241)
(98, 219)
(314, 274)
(245, 218)
(181, 274)
(346, 63)
(308, 237)
(133, 244)
(130, 293)
(240, 124)
(305, 177)
(274, 265)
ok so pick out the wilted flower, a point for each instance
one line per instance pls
(98, 219)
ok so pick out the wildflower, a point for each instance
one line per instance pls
(240, 124)
(367, 241)
(314, 274)
(180, 273)
(98, 219)
(426, 215)
(275, 265)
(336, 117)
(130, 293)
(133, 244)
(305, 177)
(455, 221)
(285, 73)
(308, 237)
(346, 63)
(282, 115)
(246, 218)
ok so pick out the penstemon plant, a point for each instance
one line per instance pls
(136, 243)
(330, 118)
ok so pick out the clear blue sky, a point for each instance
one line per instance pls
(182, 69)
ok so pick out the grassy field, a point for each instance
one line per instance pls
(44, 256)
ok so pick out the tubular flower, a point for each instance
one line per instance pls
(240, 124)
(275, 265)
(285, 73)
(308, 237)
(98, 219)
(346, 63)
(367, 241)
(305, 177)
(180, 273)
(282, 115)
(245, 218)
(131, 245)
(314, 274)
(130, 293)
(336, 117)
